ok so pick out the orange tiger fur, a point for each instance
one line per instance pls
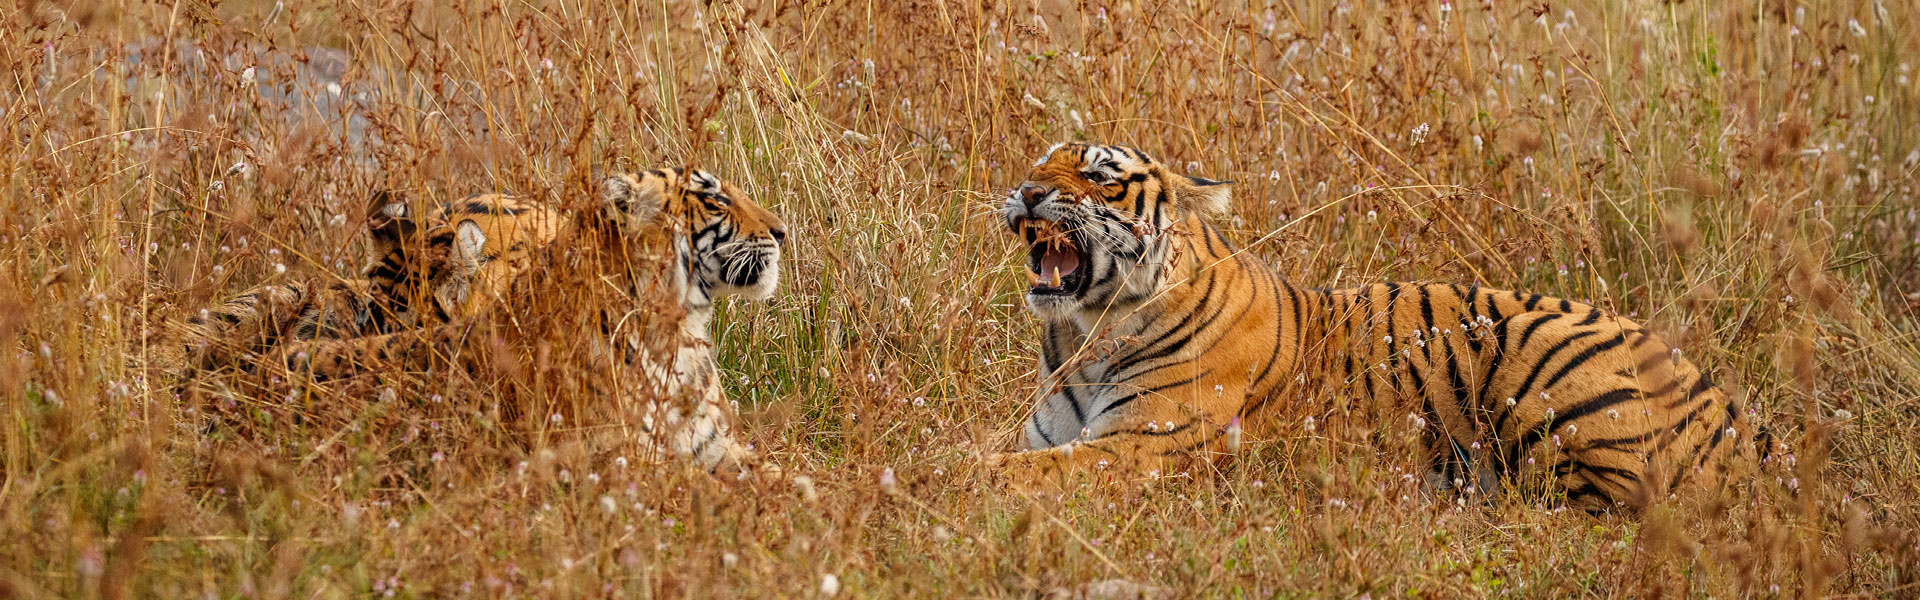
(1160, 337)
(616, 306)
(423, 273)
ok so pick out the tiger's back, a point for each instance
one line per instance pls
(424, 272)
(1513, 386)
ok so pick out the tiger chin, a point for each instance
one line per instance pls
(1163, 345)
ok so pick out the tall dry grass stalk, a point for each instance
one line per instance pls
(1739, 175)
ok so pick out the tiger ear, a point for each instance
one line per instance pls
(1207, 197)
(389, 221)
(469, 245)
(466, 255)
(630, 202)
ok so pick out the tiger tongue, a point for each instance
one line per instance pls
(1058, 259)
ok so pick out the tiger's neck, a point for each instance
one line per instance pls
(654, 268)
(1180, 262)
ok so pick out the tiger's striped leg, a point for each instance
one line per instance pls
(702, 434)
(1605, 409)
(414, 350)
(1156, 431)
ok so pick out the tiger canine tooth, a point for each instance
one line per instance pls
(1056, 277)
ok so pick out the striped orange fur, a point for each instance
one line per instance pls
(1160, 338)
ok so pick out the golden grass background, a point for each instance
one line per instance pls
(1739, 174)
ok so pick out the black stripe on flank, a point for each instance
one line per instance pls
(1426, 311)
(1582, 358)
(1699, 455)
(1526, 385)
(1279, 323)
(1302, 303)
(1499, 353)
(1123, 401)
(1225, 245)
(1041, 430)
(1700, 384)
(1679, 427)
(1672, 384)
(1527, 334)
(1137, 375)
(1176, 430)
(1363, 310)
(1079, 414)
(1593, 316)
(1585, 490)
(1198, 443)
(1532, 301)
(1149, 391)
(1493, 310)
(1719, 435)
(1535, 433)
(1641, 340)
(1647, 364)
(1623, 443)
(1626, 477)
(1458, 382)
(1391, 319)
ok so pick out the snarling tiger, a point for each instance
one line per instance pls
(614, 314)
(1160, 338)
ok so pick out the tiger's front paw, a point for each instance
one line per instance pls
(741, 462)
(1029, 471)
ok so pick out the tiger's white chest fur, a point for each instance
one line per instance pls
(680, 399)
(1081, 403)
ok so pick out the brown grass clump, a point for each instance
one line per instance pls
(1693, 180)
(1742, 180)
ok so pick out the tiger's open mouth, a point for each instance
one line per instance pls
(1054, 260)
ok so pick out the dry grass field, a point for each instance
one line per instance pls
(1739, 174)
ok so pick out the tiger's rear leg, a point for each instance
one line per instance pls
(1604, 410)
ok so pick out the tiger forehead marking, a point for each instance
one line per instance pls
(695, 199)
(1089, 170)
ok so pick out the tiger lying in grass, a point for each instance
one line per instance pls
(425, 273)
(614, 303)
(1160, 338)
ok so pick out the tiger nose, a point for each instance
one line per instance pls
(779, 234)
(1032, 194)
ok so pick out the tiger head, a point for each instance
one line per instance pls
(1098, 220)
(726, 244)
